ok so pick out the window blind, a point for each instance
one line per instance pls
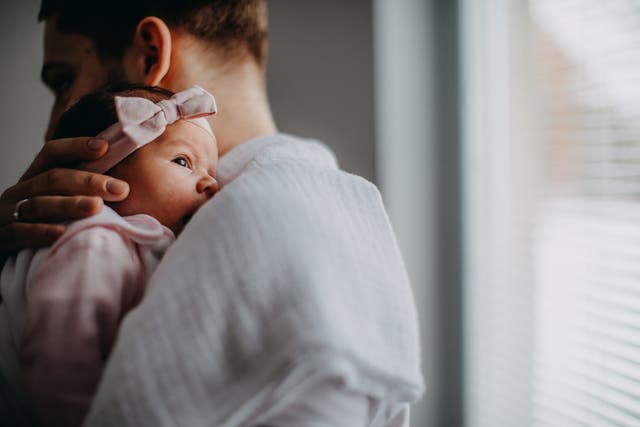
(587, 352)
(552, 212)
(587, 231)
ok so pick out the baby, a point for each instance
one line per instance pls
(62, 305)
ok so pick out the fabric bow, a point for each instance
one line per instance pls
(141, 121)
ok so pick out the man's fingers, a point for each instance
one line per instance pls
(66, 152)
(20, 235)
(59, 208)
(46, 188)
(68, 182)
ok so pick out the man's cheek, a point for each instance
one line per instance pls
(54, 117)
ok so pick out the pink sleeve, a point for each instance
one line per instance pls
(75, 302)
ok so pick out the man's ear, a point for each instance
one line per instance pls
(149, 57)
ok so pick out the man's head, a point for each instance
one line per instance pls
(91, 44)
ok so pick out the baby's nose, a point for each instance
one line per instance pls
(207, 185)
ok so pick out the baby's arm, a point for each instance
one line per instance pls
(75, 302)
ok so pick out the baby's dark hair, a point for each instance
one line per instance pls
(96, 111)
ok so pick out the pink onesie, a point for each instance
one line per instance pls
(76, 297)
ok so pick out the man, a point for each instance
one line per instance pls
(285, 301)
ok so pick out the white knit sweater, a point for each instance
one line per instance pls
(288, 280)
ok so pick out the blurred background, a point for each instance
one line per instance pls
(504, 136)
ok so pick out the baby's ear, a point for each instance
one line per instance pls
(148, 59)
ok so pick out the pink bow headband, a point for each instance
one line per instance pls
(141, 121)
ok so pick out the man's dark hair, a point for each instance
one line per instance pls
(96, 111)
(237, 26)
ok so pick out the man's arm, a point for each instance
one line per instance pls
(55, 194)
(75, 302)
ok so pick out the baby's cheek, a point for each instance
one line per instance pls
(126, 207)
(139, 201)
(172, 211)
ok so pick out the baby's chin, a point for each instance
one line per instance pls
(179, 225)
(176, 225)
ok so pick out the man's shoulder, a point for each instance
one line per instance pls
(277, 181)
(284, 148)
(272, 152)
(292, 167)
(291, 194)
(285, 207)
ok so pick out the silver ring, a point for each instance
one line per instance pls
(16, 210)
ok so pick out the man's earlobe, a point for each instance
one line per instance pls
(152, 43)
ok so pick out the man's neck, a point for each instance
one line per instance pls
(239, 89)
(243, 111)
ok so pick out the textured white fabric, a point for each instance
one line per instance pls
(330, 405)
(322, 406)
(288, 278)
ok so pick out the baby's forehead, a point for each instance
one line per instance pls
(187, 134)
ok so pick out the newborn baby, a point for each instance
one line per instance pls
(62, 306)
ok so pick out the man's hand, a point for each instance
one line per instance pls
(55, 194)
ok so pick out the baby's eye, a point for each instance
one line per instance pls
(181, 161)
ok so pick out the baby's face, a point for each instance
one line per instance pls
(171, 177)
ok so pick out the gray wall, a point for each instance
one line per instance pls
(25, 101)
(321, 75)
(320, 80)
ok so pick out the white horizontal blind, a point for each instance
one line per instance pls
(587, 359)
(552, 209)
(587, 230)
(589, 58)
